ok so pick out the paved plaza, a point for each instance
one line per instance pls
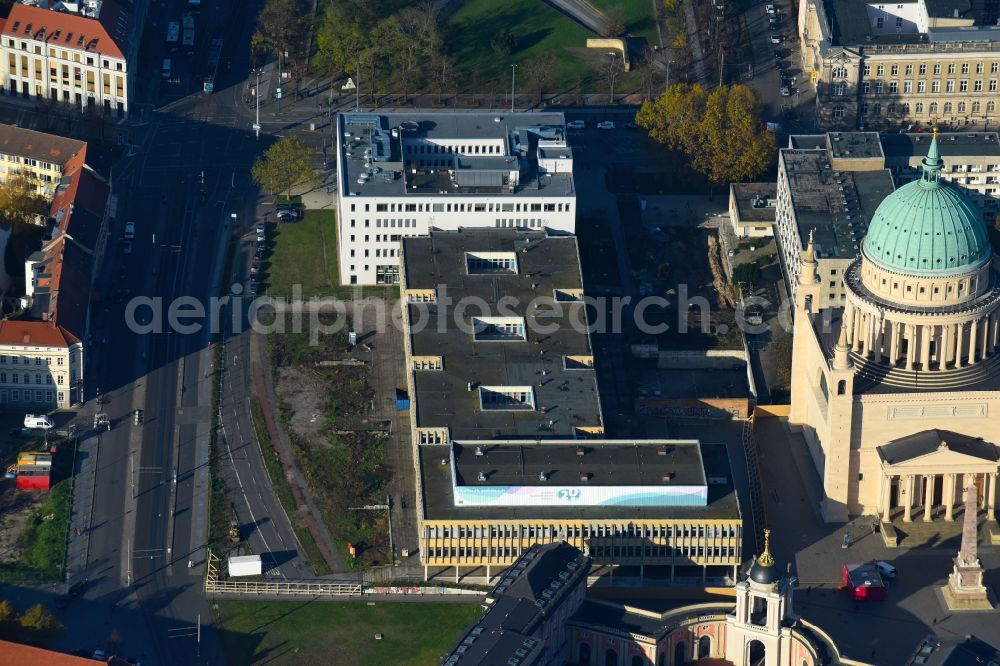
(881, 632)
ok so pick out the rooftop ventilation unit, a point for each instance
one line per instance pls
(479, 451)
(585, 476)
(481, 476)
(542, 476)
(580, 451)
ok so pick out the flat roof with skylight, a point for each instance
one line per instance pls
(501, 312)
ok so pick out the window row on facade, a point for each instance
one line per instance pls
(585, 530)
(31, 396)
(484, 207)
(921, 69)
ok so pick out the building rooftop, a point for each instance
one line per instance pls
(104, 29)
(755, 201)
(837, 205)
(852, 22)
(546, 355)
(17, 653)
(854, 145)
(454, 154)
(38, 145)
(35, 334)
(608, 462)
(927, 442)
(605, 462)
(534, 588)
(954, 651)
(910, 148)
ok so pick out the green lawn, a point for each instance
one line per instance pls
(342, 633)
(305, 253)
(638, 17)
(538, 29)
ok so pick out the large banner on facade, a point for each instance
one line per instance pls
(581, 495)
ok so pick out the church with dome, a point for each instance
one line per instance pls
(897, 389)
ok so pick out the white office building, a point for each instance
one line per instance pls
(404, 174)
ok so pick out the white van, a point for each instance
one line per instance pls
(166, 68)
(40, 421)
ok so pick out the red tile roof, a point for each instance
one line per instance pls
(15, 653)
(107, 35)
(35, 334)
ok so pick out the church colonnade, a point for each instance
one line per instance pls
(921, 343)
(916, 494)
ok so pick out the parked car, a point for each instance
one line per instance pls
(886, 569)
(287, 213)
(770, 8)
(786, 91)
(253, 287)
(99, 655)
(127, 247)
(40, 421)
(606, 125)
(775, 38)
(576, 124)
(261, 228)
(129, 230)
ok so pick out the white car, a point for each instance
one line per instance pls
(771, 9)
(129, 230)
(576, 124)
(606, 125)
(40, 421)
(775, 39)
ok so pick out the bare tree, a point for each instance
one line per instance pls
(445, 74)
(614, 23)
(539, 72)
(612, 68)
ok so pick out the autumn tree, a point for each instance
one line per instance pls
(20, 202)
(281, 28)
(8, 619)
(720, 131)
(287, 164)
(39, 625)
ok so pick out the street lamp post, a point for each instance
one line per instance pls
(256, 94)
(512, 70)
(277, 90)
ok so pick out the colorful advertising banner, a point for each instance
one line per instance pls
(581, 495)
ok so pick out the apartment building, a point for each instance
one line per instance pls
(891, 64)
(41, 365)
(829, 186)
(405, 174)
(971, 160)
(78, 54)
(38, 156)
(507, 427)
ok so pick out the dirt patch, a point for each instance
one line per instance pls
(16, 511)
(302, 392)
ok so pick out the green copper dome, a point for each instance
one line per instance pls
(928, 227)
